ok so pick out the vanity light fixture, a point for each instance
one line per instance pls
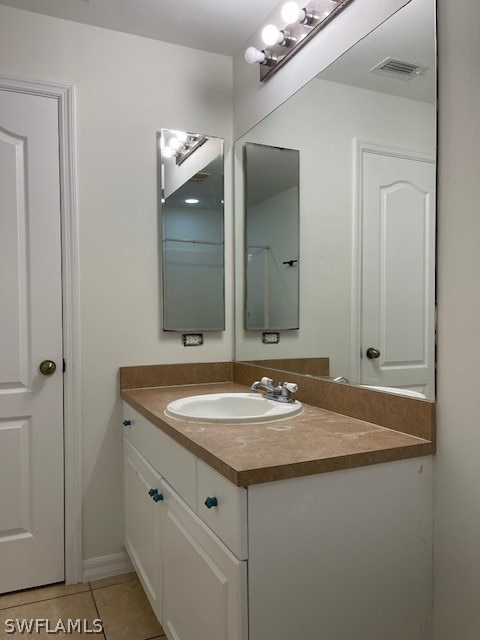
(179, 144)
(167, 152)
(291, 13)
(175, 143)
(271, 35)
(182, 136)
(253, 55)
(303, 23)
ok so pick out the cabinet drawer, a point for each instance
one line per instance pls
(169, 458)
(228, 517)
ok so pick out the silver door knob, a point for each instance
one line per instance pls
(47, 367)
(373, 353)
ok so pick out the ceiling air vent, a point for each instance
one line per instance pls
(399, 69)
(201, 176)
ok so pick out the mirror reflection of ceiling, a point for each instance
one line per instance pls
(408, 37)
(275, 177)
(209, 25)
(203, 186)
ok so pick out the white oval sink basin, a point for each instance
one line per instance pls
(400, 392)
(231, 408)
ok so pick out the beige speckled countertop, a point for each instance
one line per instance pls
(316, 441)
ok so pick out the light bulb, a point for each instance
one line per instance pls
(291, 13)
(167, 152)
(271, 35)
(175, 143)
(192, 201)
(253, 55)
(182, 136)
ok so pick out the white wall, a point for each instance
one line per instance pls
(127, 89)
(253, 100)
(319, 121)
(457, 467)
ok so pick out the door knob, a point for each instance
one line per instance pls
(373, 353)
(47, 367)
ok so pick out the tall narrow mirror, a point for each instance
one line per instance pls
(191, 209)
(365, 129)
(271, 243)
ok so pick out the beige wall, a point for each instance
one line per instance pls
(457, 465)
(127, 89)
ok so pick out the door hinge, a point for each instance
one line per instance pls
(64, 365)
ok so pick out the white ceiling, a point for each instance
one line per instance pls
(219, 26)
(409, 35)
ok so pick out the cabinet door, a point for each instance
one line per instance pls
(205, 584)
(143, 523)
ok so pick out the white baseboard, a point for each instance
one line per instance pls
(106, 566)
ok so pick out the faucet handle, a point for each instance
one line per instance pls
(267, 381)
(290, 386)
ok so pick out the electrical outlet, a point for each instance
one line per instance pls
(192, 339)
(272, 337)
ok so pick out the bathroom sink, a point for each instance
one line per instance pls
(400, 392)
(231, 408)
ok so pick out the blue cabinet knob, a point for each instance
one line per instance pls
(127, 423)
(157, 497)
(211, 502)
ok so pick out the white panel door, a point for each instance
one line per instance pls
(398, 272)
(31, 404)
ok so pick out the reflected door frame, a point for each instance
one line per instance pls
(65, 96)
(360, 147)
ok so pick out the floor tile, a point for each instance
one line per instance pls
(79, 606)
(41, 593)
(107, 582)
(126, 612)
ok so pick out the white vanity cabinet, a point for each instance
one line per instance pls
(333, 556)
(191, 572)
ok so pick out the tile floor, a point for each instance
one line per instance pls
(119, 602)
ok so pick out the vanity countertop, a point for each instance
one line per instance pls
(316, 441)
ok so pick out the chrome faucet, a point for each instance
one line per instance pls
(342, 379)
(280, 393)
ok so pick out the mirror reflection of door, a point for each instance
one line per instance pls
(272, 237)
(191, 171)
(397, 203)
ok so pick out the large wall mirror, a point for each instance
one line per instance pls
(365, 131)
(191, 209)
